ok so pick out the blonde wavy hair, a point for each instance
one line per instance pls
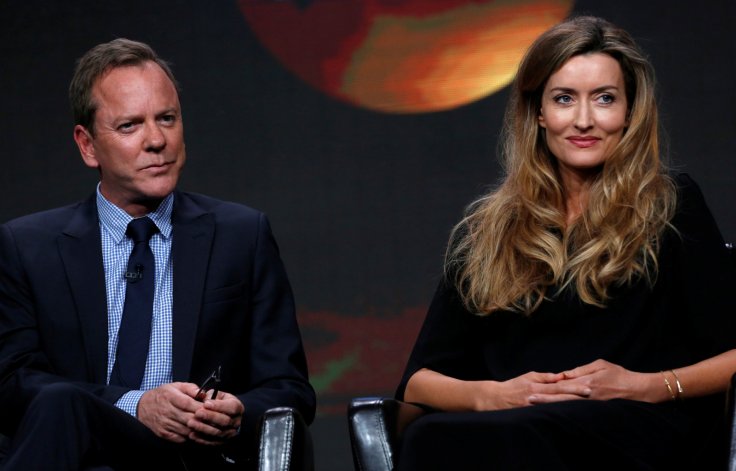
(514, 248)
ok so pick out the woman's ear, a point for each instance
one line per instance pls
(540, 118)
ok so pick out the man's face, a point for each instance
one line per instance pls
(138, 145)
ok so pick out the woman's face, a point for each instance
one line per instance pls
(584, 112)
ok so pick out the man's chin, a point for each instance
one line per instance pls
(152, 197)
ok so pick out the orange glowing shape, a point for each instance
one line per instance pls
(403, 56)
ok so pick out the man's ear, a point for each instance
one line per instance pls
(86, 145)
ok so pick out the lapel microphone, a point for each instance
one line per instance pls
(136, 276)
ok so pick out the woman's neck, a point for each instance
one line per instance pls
(576, 186)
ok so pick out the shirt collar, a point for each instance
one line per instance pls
(115, 220)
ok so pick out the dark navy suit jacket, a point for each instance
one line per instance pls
(232, 306)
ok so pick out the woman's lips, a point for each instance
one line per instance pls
(583, 141)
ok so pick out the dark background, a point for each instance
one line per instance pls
(361, 202)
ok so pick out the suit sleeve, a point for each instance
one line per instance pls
(24, 367)
(278, 367)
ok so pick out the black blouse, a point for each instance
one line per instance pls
(685, 317)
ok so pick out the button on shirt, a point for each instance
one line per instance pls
(116, 249)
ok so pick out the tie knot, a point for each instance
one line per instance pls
(141, 229)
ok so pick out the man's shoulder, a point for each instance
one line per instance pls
(49, 219)
(221, 209)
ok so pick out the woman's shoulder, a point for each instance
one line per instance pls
(690, 198)
(693, 218)
(685, 184)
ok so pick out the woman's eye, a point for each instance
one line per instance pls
(563, 99)
(606, 99)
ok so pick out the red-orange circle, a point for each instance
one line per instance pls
(402, 56)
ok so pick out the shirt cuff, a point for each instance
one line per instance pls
(128, 402)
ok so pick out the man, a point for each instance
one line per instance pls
(86, 381)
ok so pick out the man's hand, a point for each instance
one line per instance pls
(168, 409)
(216, 420)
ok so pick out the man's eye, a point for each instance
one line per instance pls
(168, 119)
(125, 127)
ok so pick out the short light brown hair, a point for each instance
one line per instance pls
(97, 62)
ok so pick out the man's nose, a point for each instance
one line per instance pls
(155, 139)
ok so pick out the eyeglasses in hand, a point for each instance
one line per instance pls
(212, 381)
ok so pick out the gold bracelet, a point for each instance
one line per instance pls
(669, 387)
(680, 391)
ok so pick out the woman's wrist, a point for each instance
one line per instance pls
(665, 386)
(484, 394)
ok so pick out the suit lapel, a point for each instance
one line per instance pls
(86, 277)
(193, 232)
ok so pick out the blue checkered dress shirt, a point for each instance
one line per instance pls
(116, 248)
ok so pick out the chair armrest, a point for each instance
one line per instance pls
(731, 423)
(731, 399)
(4, 449)
(284, 441)
(376, 425)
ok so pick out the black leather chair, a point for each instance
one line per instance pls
(376, 425)
(285, 443)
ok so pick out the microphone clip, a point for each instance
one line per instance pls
(136, 276)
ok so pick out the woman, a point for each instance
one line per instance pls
(584, 321)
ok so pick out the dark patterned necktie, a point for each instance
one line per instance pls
(134, 334)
